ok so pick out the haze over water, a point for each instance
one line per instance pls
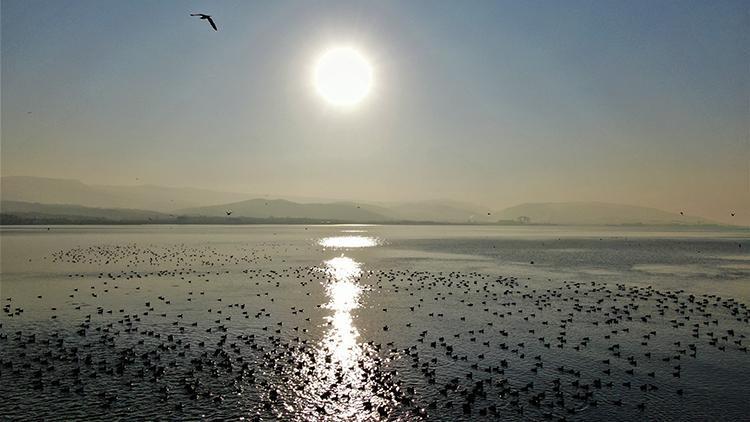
(392, 322)
(374, 210)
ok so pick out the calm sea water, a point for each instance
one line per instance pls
(373, 322)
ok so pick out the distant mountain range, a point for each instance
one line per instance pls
(437, 211)
(148, 197)
(33, 200)
(280, 208)
(31, 211)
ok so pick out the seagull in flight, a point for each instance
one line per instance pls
(229, 212)
(206, 17)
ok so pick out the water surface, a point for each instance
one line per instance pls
(373, 322)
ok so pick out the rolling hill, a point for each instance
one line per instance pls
(29, 198)
(280, 208)
(29, 211)
(149, 197)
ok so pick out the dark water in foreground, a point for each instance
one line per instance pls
(373, 322)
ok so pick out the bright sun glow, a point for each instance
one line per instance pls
(343, 77)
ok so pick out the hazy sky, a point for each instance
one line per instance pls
(498, 103)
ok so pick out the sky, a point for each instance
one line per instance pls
(496, 103)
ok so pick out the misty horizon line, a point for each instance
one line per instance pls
(323, 199)
(32, 197)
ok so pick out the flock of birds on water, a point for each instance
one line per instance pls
(192, 332)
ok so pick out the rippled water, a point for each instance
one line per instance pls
(373, 322)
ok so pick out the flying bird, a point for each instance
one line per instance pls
(206, 17)
(229, 212)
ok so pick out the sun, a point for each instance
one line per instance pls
(343, 77)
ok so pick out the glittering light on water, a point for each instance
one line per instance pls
(348, 242)
(343, 293)
(342, 269)
(344, 372)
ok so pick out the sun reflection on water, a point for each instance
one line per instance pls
(343, 293)
(343, 269)
(345, 373)
(348, 242)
